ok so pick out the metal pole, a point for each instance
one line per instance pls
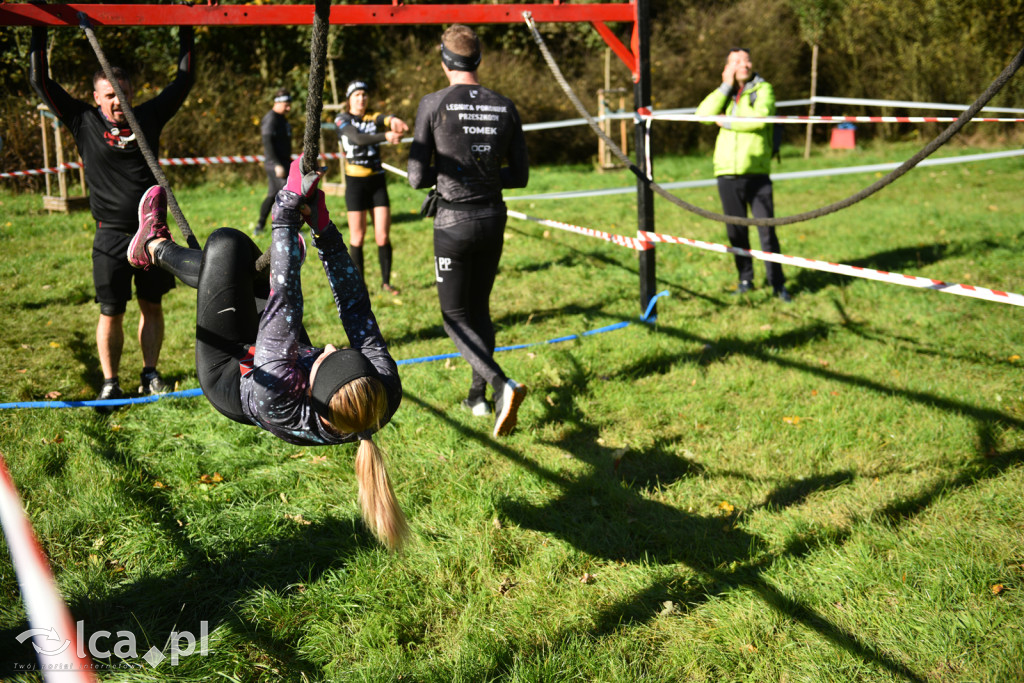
(644, 195)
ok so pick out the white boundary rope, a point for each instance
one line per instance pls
(679, 114)
(792, 175)
(824, 119)
(49, 619)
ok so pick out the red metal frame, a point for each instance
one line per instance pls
(397, 13)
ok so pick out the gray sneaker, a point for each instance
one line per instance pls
(152, 383)
(506, 405)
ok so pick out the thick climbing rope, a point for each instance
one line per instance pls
(910, 163)
(314, 99)
(147, 151)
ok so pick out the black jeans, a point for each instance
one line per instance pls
(466, 257)
(738, 192)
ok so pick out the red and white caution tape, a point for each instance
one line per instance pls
(827, 119)
(851, 271)
(621, 240)
(54, 635)
(175, 161)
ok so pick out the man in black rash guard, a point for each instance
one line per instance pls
(276, 133)
(361, 132)
(469, 142)
(118, 176)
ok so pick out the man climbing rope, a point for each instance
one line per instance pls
(118, 175)
(255, 362)
(464, 135)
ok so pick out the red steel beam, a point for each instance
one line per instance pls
(396, 14)
(29, 14)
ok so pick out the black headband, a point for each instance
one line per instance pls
(457, 62)
(353, 86)
(337, 370)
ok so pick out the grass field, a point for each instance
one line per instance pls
(742, 491)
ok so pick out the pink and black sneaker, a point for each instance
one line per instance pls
(152, 225)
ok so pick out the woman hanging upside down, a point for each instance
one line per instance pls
(254, 360)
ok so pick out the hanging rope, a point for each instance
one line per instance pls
(147, 151)
(314, 99)
(925, 152)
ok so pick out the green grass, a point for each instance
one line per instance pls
(828, 490)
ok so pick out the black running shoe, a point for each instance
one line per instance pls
(152, 383)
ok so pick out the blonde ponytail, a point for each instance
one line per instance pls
(377, 498)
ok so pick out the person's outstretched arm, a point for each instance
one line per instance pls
(422, 174)
(170, 99)
(353, 304)
(517, 173)
(64, 106)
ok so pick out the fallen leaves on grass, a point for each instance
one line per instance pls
(998, 589)
(297, 519)
(53, 395)
(159, 484)
(506, 585)
(212, 480)
(587, 578)
(668, 607)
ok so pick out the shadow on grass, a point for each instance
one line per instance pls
(600, 516)
(894, 261)
(763, 350)
(202, 587)
(863, 330)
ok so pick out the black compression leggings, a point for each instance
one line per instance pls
(230, 298)
(466, 257)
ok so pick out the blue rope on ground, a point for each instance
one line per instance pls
(189, 393)
(113, 402)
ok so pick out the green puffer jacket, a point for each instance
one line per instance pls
(742, 148)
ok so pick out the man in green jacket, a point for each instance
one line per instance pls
(743, 155)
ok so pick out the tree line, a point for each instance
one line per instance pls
(921, 50)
